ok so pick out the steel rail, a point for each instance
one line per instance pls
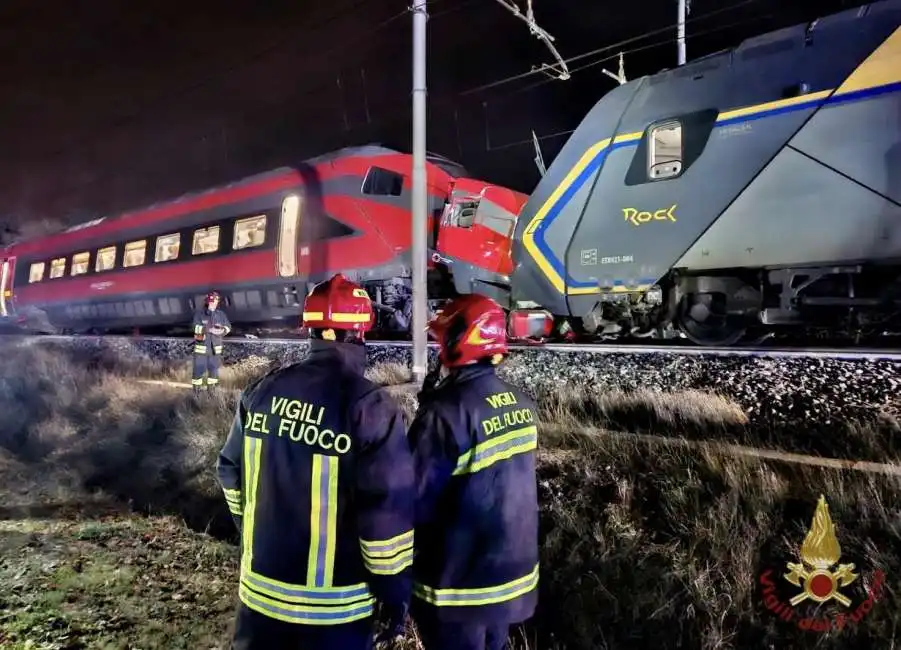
(859, 354)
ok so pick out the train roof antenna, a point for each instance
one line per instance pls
(558, 69)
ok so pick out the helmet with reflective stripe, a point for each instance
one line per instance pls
(338, 304)
(471, 327)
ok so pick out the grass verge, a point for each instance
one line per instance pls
(642, 544)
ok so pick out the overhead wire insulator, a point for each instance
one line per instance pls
(558, 69)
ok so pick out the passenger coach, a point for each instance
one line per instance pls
(262, 243)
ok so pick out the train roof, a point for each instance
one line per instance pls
(784, 38)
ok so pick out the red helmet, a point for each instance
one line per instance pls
(469, 328)
(338, 304)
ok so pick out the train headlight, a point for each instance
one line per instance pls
(654, 295)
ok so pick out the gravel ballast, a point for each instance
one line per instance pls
(776, 393)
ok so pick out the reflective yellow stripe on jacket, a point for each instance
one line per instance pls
(319, 602)
(388, 557)
(233, 500)
(323, 521)
(502, 447)
(478, 596)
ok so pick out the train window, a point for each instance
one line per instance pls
(383, 182)
(665, 150)
(36, 272)
(206, 240)
(135, 253)
(167, 247)
(249, 232)
(465, 214)
(106, 259)
(58, 267)
(80, 263)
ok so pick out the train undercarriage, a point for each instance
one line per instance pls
(731, 306)
(723, 308)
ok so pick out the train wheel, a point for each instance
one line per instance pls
(703, 319)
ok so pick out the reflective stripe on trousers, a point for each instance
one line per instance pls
(479, 595)
(205, 364)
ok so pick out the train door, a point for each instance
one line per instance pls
(287, 262)
(497, 224)
(7, 271)
(288, 234)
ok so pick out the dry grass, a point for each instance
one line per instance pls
(642, 544)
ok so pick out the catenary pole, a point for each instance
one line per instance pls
(680, 30)
(419, 198)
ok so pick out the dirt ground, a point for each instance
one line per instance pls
(113, 533)
(114, 582)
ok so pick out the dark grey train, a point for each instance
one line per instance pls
(751, 189)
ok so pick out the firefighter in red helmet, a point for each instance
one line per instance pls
(473, 439)
(319, 479)
(210, 326)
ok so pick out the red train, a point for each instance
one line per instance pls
(262, 242)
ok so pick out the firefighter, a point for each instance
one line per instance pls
(473, 439)
(210, 325)
(319, 478)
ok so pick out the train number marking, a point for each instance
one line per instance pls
(618, 259)
(588, 257)
(637, 217)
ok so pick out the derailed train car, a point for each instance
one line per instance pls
(754, 188)
(263, 242)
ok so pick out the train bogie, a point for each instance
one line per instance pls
(752, 188)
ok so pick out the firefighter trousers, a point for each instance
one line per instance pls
(254, 631)
(436, 635)
(203, 364)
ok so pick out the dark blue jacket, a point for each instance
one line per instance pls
(474, 440)
(317, 472)
(206, 342)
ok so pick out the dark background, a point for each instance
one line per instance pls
(109, 105)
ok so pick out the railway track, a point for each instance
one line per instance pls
(786, 352)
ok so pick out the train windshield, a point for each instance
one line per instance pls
(461, 212)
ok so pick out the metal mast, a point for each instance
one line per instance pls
(419, 199)
(680, 29)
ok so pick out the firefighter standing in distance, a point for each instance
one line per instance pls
(473, 440)
(210, 325)
(319, 478)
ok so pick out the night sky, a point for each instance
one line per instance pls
(109, 105)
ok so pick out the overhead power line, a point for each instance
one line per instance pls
(509, 79)
(613, 47)
(559, 68)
